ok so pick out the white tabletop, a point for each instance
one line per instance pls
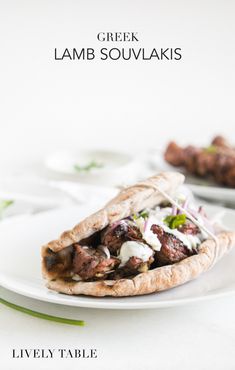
(196, 336)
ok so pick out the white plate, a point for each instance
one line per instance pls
(203, 188)
(20, 241)
(33, 195)
(110, 167)
(32, 191)
(214, 193)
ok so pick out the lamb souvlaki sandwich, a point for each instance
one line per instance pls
(144, 240)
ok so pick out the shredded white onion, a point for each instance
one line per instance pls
(76, 277)
(109, 272)
(105, 250)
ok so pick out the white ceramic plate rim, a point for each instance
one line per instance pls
(75, 302)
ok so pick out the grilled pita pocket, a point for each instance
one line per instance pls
(128, 202)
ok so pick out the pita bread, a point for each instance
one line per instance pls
(132, 200)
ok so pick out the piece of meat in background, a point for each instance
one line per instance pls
(216, 161)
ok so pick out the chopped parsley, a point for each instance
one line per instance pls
(144, 214)
(88, 167)
(175, 221)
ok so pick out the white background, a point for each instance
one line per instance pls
(48, 105)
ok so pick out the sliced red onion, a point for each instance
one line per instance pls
(120, 222)
(145, 224)
(184, 205)
(174, 211)
(186, 202)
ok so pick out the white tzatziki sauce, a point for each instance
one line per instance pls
(134, 249)
(156, 217)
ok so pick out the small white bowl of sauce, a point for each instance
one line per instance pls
(104, 167)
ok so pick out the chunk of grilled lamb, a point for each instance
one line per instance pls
(91, 263)
(172, 249)
(132, 267)
(115, 235)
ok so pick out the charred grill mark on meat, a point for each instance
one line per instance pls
(114, 236)
(60, 263)
(133, 267)
(172, 249)
(91, 263)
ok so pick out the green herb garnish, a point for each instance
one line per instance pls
(42, 315)
(5, 204)
(88, 167)
(212, 149)
(143, 214)
(175, 221)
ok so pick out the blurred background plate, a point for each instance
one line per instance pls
(203, 188)
(221, 195)
(103, 167)
(35, 194)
